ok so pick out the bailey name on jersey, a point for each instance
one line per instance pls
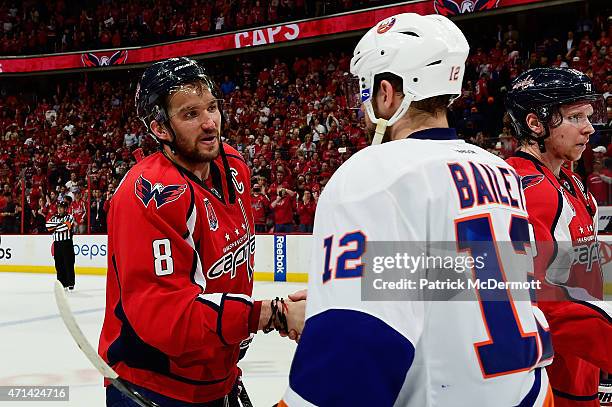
(474, 189)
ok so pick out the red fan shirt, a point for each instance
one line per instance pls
(260, 205)
(306, 212)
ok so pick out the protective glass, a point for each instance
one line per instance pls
(198, 110)
(582, 119)
(353, 92)
(192, 100)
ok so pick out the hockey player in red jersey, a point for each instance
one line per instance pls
(552, 111)
(179, 312)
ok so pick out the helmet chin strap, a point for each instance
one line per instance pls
(379, 133)
(161, 143)
(541, 144)
(170, 144)
(540, 139)
(382, 124)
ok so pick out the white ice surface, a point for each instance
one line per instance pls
(37, 350)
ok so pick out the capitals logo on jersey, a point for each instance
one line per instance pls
(456, 7)
(531, 180)
(161, 194)
(213, 222)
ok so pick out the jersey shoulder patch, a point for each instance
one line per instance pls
(531, 180)
(161, 194)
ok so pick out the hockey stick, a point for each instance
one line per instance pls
(90, 352)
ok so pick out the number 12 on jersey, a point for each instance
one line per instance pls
(354, 245)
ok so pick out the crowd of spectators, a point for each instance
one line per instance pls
(39, 27)
(288, 116)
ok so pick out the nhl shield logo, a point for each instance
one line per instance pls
(213, 222)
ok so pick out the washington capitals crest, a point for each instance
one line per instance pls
(213, 222)
(91, 60)
(457, 7)
(531, 180)
(158, 192)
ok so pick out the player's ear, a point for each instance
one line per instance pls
(386, 92)
(160, 130)
(534, 123)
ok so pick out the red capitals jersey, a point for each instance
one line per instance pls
(261, 205)
(78, 210)
(566, 260)
(180, 277)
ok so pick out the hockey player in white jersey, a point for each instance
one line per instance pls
(421, 184)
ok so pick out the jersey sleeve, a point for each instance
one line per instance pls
(56, 225)
(568, 323)
(70, 222)
(343, 334)
(159, 274)
(52, 224)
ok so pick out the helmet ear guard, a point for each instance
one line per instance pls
(158, 114)
(543, 113)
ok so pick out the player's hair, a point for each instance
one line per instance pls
(432, 105)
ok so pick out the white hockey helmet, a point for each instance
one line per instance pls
(427, 52)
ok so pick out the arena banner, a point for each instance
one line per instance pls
(251, 38)
(32, 254)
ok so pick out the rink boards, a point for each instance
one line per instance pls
(277, 257)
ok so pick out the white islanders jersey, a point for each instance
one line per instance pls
(430, 187)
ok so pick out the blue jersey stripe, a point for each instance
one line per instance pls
(531, 397)
(350, 358)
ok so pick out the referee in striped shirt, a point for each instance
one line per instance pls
(61, 225)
